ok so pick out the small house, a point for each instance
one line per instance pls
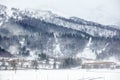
(98, 65)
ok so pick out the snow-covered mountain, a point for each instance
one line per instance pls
(31, 32)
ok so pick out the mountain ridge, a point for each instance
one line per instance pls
(39, 32)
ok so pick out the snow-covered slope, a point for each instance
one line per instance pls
(56, 36)
(91, 28)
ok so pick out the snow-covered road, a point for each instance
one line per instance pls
(100, 74)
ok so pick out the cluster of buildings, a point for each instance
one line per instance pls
(21, 63)
(15, 63)
(99, 64)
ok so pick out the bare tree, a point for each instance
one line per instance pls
(14, 64)
(35, 64)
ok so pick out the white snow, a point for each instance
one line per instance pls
(57, 50)
(13, 49)
(22, 42)
(87, 52)
(100, 74)
(1, 23)
(103, 49)
(9, 11)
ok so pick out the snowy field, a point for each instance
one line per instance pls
(100, 74)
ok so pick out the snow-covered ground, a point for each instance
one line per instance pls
(99, 74)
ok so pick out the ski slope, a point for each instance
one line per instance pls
(99, 74)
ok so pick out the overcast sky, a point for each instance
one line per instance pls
(102, 11)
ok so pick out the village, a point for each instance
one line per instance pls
(24, 64)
